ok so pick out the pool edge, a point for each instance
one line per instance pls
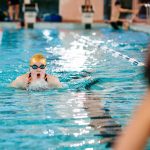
(63, 25)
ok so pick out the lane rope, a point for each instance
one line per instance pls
(80, 40)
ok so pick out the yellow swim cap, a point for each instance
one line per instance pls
(37, 58)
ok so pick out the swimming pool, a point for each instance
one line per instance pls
(102, 74)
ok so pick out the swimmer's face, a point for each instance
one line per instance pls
(38, 69)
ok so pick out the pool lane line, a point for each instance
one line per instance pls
(129, 59)
(100, 119)
(118, 54)
(95, 44)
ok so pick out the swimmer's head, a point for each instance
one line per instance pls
(38, 66)
(37, 58)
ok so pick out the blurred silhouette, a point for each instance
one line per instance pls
(136, 134)
(13, 9)
(116, 21)
(137, 17)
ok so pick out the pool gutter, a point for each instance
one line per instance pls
(141, 27)
(95, 26)
(47, 25)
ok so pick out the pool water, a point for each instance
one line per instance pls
(102, 75)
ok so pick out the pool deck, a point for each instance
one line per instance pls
(95, 26)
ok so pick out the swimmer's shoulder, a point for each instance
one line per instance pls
(23, 77)
(54, 81)
(20, 81)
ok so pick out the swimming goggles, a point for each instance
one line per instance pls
(36, 67)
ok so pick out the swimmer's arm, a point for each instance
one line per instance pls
(136, 134)
(15, 82)
(19, 82)
(54, 82)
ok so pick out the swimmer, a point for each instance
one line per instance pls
(36, 79)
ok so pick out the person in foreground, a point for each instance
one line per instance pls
(37, 78)
(136, 134)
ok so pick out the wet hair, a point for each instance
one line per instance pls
(147, 66)
(117, 3)
(37, 58)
